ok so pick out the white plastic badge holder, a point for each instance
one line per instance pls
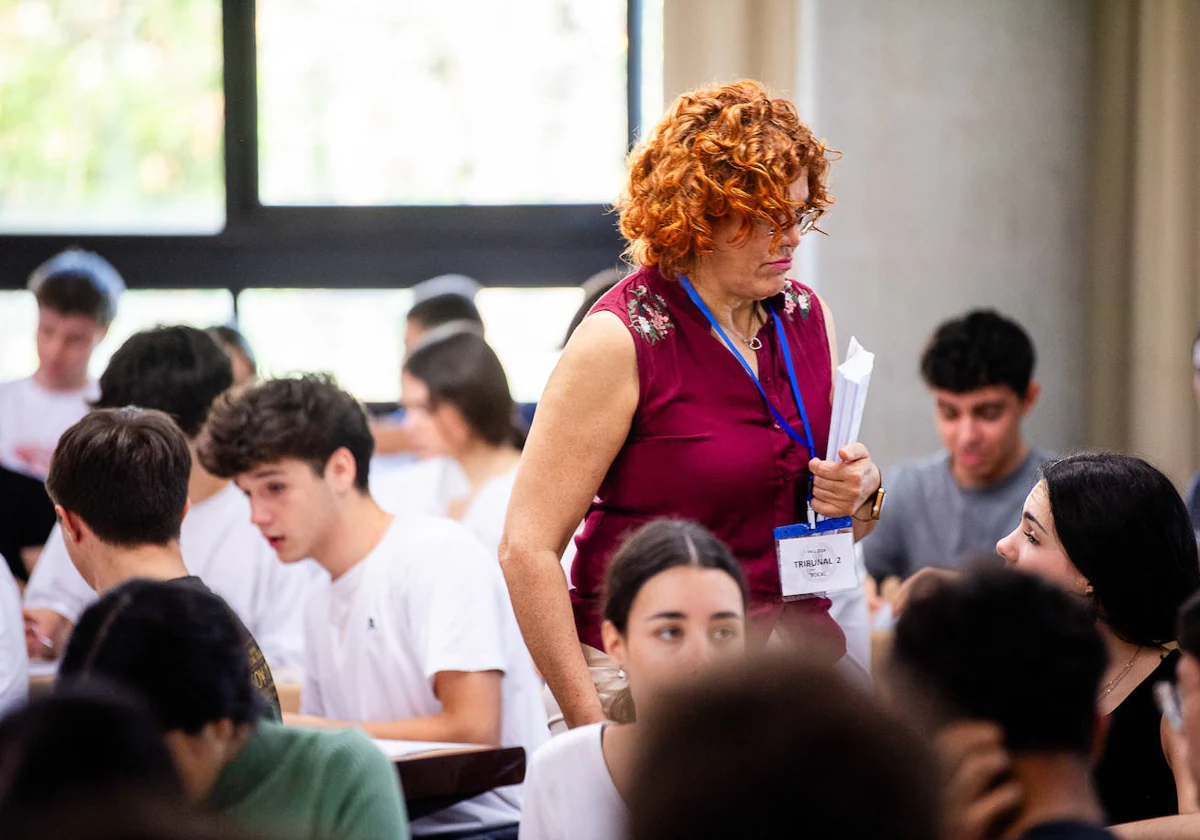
(816, 559)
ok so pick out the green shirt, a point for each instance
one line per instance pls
(309, 784)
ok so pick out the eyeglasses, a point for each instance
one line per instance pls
(806, 221)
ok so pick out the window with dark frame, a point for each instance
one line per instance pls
(310, 246)
(222, 229)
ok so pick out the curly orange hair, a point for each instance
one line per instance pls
(726, 151)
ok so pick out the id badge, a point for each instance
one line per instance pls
(815, 559)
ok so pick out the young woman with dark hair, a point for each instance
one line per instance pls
(1113, 530)
(459, 408)
(675, 602)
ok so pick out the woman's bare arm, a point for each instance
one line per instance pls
(581, 423)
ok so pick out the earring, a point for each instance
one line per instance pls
(621, 673)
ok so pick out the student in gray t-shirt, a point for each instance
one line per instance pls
(956, 504)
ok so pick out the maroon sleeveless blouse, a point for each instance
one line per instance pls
(704, 447)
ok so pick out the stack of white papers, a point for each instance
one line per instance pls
(849, 398)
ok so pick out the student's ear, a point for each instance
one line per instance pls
(1031, 397)
(614, 644)
(187, 506)
(341, 470)
(72, 525)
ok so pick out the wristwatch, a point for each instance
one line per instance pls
(876, 503)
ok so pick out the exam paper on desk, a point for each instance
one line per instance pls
(399, 749)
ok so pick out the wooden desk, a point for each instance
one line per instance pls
(438, 778)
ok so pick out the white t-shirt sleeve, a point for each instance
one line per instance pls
(14, 664)
(56, 584)
(454, 603)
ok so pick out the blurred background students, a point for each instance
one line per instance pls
(441, 305)
(239, 351)
(181, 371)
(960, 501)
(458, 407)
(77, 293)
(14, 663)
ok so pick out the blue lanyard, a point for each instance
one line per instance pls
(807, 440)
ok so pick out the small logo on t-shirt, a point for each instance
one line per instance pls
(370, 623)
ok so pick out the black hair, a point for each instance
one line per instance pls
(307, 417)
(1008, 647)
(779, 748)
(125, 472)
(175, 644)
(81, 740)
(979, 350)
(1123, 525)
(463, 370)
(230, 339)
(444, 309)
(655, 548)
(78, 282)
(177, 370)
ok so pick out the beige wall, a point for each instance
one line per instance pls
(963, 183)
(964, 130)
(1035, 156)
(708, 41)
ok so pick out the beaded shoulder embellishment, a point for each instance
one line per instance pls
(648, 315)
(796, 298)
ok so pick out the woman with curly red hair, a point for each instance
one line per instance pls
(698, 388)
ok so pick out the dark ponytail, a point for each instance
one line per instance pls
(654, 548)
(463, 370)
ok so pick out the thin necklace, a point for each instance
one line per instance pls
(1108, 688)
(754, 342)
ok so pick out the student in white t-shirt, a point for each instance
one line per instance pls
(458, 406)
(180, 371)
(441, 305)
(413, 636)
(675, 603)
(76, 294)
(14, 667)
